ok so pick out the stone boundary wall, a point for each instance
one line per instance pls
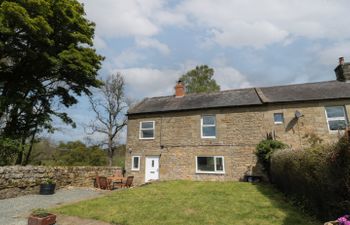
(21, 180)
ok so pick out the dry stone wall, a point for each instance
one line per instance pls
(21, 180)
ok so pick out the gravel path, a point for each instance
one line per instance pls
(14, 211)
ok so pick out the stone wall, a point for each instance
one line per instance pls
(238, 130)
(20, 180)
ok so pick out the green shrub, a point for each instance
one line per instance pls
(40, 213)
(8, 150)
(264, 151)
(318, 178)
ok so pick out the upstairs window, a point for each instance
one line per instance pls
(278, 118)
(212, 164)
(336, 118)
(147, 130)
(208, 125)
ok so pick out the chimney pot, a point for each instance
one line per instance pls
(342, 71)
(179, 89)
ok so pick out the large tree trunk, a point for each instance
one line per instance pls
(30, 149)
(20, 153)
(110, 152)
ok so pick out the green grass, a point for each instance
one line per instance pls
(188, 202)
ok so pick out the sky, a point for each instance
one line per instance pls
(248, 43)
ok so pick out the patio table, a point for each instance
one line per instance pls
(114, 179)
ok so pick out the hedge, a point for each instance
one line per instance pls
(318, 178)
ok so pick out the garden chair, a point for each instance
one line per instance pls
(102, 183)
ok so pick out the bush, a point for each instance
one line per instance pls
(318, 178)
(8, 150)
(264, 151)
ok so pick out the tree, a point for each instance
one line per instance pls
(46, 60)
(76, 153)
(200, 80)
(109, 106)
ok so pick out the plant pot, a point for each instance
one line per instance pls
(47, 220)
(47, 189)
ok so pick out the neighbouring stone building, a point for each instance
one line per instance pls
(213, 136)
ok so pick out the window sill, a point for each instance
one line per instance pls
(208, 172)
(146, 138)
(135, 170)
(208, 137)
(278, 123)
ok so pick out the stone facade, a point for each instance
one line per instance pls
(20, 180)
(178, 139)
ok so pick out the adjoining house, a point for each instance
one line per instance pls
(213, 136)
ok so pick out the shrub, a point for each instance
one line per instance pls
(40, 213)
(8, 150)
(264, 151)
(318, 178)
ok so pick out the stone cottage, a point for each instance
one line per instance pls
(213, 136)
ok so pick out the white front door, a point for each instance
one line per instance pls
(152, 168)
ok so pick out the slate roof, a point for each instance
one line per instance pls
(245, 97)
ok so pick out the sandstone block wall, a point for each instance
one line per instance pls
(238, 130)
(20, 180)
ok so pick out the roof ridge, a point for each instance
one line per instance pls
(287, 85)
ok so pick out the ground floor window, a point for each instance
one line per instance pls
(135, 163)
(210, 164)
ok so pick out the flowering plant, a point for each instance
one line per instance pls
(344, 220)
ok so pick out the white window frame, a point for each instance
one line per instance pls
(336, 118)
(278, 122)
(141, 129)
(133, 168)
(202, 125)
(212, 172)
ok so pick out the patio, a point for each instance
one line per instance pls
(14, 211)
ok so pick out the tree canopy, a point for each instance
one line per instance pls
(47, 59)
(200, 80)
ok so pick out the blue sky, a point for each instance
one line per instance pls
(248, 43)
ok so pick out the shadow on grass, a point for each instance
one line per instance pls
(294, 215)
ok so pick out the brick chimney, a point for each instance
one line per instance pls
(342, 71)
(179, 89)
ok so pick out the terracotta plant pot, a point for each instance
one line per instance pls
(47, 220)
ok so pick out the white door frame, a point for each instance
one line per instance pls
(157, 169)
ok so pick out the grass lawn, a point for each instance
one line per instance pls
(189, 202)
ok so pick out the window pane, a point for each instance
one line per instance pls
(335, 111)
(147, 125)
(337, 124)
(208, 120)
(136, 162)
(209, 132)
(219, 164)
(205, 164)
(147, 133)
(278, 117)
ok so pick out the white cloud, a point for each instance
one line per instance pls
(153, 43)
(148, 82)
(99, 42)
(127, 58)
(329, 56)
(237, 23)
(118, 18)
(268, 33)
(230, 78)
